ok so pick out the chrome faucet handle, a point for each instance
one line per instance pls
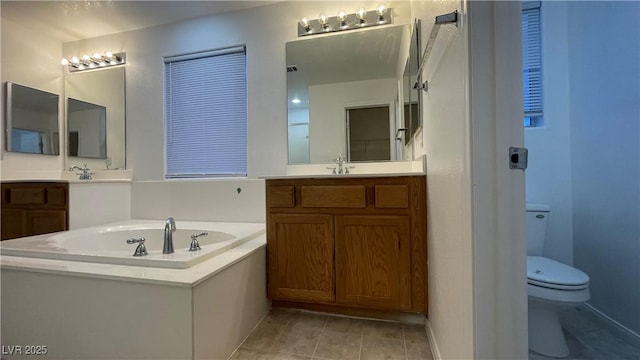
(194, 241)
(346, 169)
(141, 249)
(333, 169)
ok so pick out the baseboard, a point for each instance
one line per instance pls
(432, 340)
(632, 335)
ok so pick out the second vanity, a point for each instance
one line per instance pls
(347, 243)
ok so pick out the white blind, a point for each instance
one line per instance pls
(206, 114)
(532, 59)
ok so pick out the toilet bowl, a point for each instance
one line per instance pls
(551, 286)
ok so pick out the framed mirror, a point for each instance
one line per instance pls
(31, 120)
(412, 109)
(336, 83)
(95, 118)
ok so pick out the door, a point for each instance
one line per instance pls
(368, 134)
(301, 257)
(373, 261)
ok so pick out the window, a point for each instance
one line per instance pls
(206, 114)
(532, 63)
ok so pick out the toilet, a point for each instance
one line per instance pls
(551, 286)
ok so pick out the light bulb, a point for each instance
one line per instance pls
(305, 24)
(97, 56)
(86, 57)
(382, 8)
(64, 62)
(108, 54)
(324, 21)
(342, 16)
(75, 60)
(361, 13)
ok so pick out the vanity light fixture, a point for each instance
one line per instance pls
(382, 15)
(97, 60)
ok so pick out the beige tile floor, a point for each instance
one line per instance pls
(297, 335)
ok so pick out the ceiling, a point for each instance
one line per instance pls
(80, 19)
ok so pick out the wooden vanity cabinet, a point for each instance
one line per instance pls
(33, 208)
(348, 242)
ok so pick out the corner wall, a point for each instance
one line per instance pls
(604, 60)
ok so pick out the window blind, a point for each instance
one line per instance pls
(532, 59)
(206, 114)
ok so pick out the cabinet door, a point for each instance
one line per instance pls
(301, 257)
(373, 261)
(46, 221)
(14, 223)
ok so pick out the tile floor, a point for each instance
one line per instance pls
(297, 335)
(590, 338)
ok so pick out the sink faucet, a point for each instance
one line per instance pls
(86, 175)
(341, 167)
(169, 228)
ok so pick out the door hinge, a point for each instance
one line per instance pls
(518, 157)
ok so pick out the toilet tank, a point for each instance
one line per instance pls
(536, 223)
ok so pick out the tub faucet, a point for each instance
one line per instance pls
(169, 228)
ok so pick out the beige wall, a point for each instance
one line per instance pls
(31, 59)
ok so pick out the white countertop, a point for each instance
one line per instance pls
(336, 176)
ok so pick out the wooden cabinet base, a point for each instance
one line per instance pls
(33, 208)
(348, 242)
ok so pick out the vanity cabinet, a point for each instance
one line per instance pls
(33, 208)
(348, 242)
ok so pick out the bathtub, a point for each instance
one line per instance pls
(83, 295)
(108, 243)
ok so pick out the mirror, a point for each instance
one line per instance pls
(31, 120)
(334, 79)
(412, 97)
(95, 114)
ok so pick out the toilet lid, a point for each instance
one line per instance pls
(549, 272)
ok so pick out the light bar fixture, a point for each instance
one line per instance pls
(343, 21)
(96, 61)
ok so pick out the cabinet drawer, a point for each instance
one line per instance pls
(26, 196)
(281, 196)
(392, 196)
(337, 196)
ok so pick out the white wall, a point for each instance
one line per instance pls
(327, 131)
(604, 62)
(98, 203)
(264, 31)
(445, 136)
(476, 247)
(548, 176)
(235, 200)
(30, 59)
